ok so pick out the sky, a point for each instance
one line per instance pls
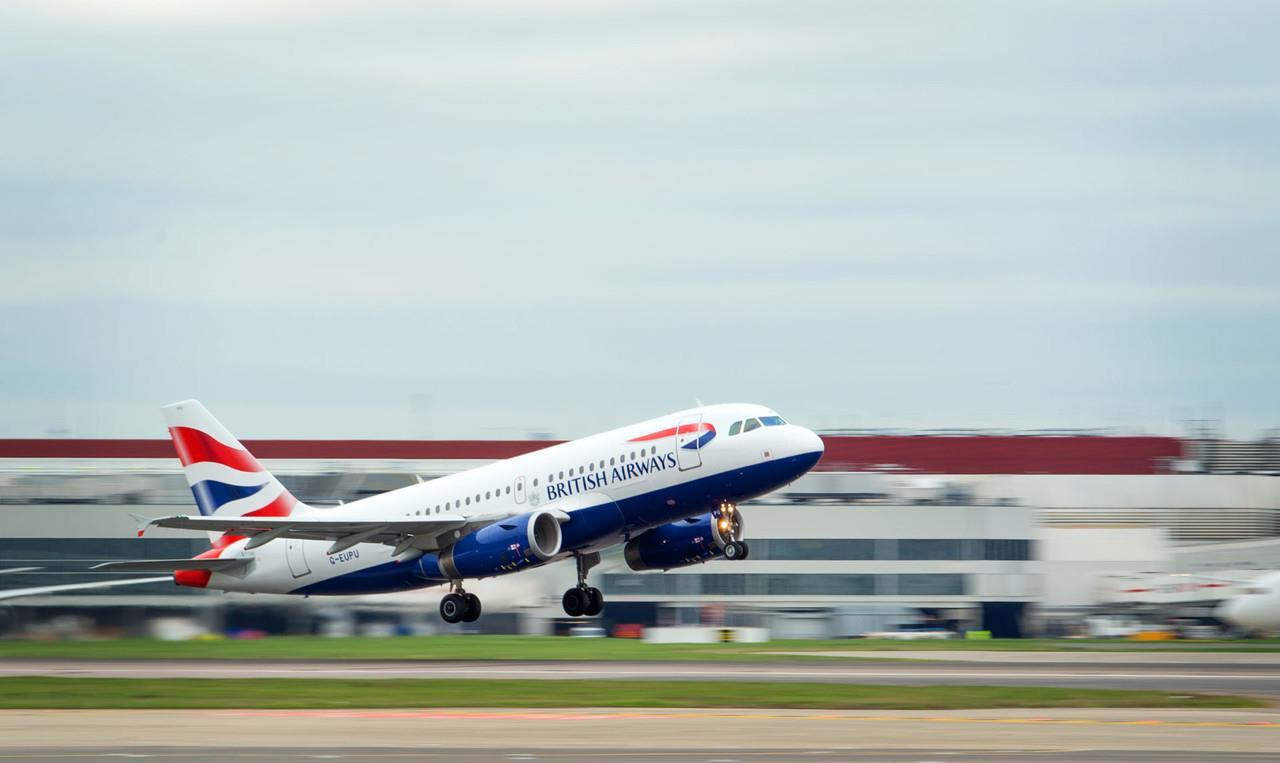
(510, 219)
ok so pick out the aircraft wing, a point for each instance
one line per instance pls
(426, 534)
(14, 593)
(224, 564)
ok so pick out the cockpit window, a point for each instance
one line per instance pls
(751, 424)
(736, 428)
(772, 421)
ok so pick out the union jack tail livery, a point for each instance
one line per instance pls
(224, 477)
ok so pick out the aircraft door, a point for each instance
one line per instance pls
(688, 432)
(296, 552)
(519, 489)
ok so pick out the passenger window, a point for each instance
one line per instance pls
(535, 481)
(487, 495)
(561, 475)
(508, 490)
(468, 500)
(751, 424)
(736, 428)
(772, 421)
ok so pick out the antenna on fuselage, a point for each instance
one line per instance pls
(698, 400)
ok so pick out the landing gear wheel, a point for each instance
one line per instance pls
(595, 602)
(734, 550)
(452, 608)
(746, 550)
(575, 602)
(473, 608)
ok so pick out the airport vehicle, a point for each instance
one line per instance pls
(667, 488)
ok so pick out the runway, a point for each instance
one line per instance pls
(1198, 673)
(382, 755)
(630, 736)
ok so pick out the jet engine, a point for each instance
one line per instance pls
(507, 546)
(689, 541)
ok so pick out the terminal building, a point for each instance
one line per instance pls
(1012, 533)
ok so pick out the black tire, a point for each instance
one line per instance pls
(452, 608)
(595, 602)
(575, 602)
(746, 550)
(733, 550)
(473, 608)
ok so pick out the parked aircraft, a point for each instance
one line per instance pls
(1257, 607)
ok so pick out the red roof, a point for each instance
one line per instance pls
(1011, 454)
(928, 454)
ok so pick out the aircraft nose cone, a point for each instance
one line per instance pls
(811, 442)
(1229, 611)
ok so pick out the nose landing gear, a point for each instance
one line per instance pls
(583, 599)
(727, 528)
(459, 606)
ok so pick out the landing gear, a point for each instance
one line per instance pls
(584, 599)
(473, 608)
(726, 528)
(458, 606)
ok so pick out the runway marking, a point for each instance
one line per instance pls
(516, 715)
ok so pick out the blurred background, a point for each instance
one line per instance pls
(1016, 262)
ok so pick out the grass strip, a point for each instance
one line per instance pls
(477, 647)
(31, 692)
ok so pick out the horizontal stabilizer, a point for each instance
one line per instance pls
(14, 593)
(171, 565)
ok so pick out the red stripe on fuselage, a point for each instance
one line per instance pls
(673, 431)
(195, 447)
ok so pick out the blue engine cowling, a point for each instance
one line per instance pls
(507, 546)
(680, 544)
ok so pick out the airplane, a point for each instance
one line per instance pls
(667, 489)
(1257, 608)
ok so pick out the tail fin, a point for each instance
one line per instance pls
(224, 477)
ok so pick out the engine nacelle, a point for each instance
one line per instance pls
(689, 541)
(507, 546)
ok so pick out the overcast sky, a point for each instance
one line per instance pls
(486, 219)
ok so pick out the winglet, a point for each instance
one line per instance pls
(141, 523)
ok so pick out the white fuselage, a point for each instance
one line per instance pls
(614, 485)
(1257, 609)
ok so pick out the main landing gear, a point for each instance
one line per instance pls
(736, 550)
(584, 599)
(459, 606)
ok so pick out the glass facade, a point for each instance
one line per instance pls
(889, 549)
(784, 584)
